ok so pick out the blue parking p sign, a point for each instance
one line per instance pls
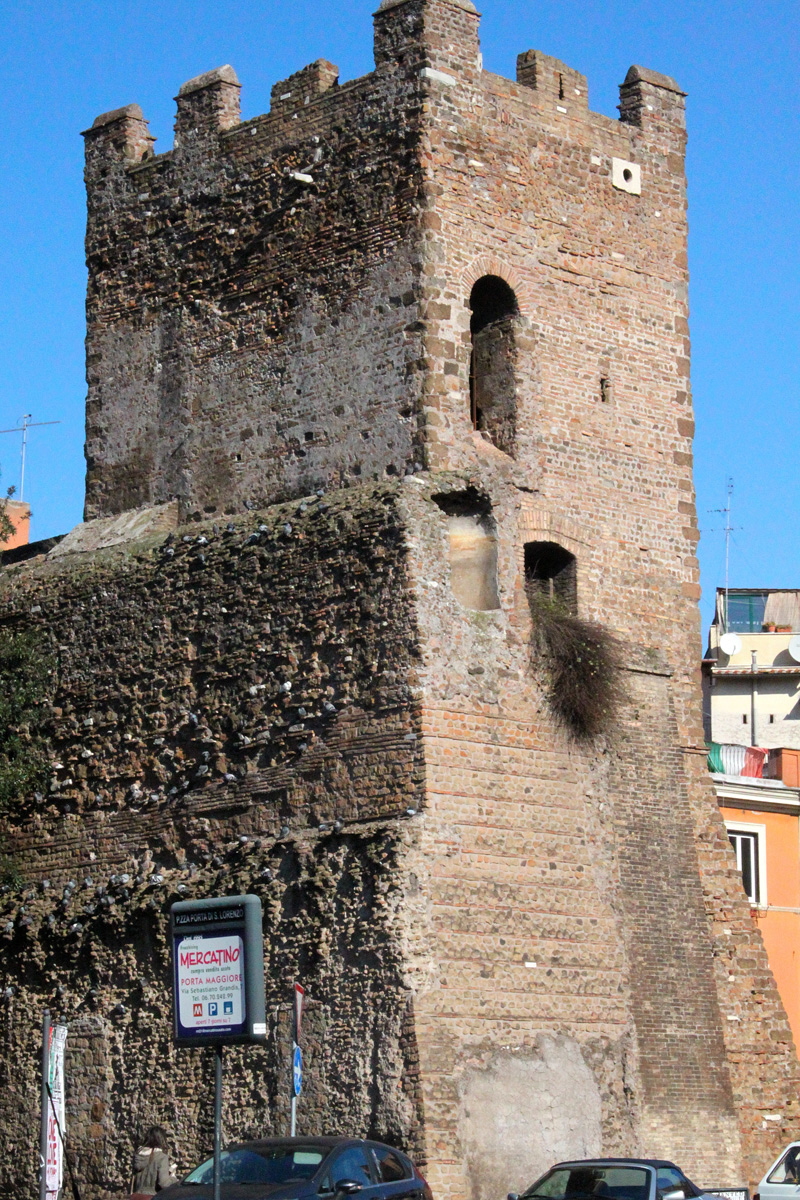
(297, 1070)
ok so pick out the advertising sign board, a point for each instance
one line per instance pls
(54, 1163)
(218, 971)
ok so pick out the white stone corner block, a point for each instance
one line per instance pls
(438, 76)
(627, 176)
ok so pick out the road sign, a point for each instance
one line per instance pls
(299, 1002)
(218, 970)
(297, 1070)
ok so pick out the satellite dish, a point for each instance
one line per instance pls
(794, 648)
(730, 644)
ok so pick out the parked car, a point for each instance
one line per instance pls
(325, 1168)
(782, 1179)
(617, 1179)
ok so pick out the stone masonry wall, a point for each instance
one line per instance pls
(233, 712)
(252, 324)
(504, 925)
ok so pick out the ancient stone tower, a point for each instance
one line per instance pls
(407, 359)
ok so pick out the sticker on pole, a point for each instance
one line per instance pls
(297, 1070)
(299, 1003)
(210, 980)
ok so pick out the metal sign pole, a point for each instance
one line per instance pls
(218, 983)
(297, 1083)
(45, 1105)
(217, 1117)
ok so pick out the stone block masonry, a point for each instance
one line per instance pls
(403, 358)
(222, 719)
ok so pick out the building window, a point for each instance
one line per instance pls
(749, 846)
(552, 571)
(492, 372)
(746, 612)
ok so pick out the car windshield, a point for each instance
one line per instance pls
(580, 1181)
(788, 1169)
(267, 1164)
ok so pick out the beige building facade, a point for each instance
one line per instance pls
(752, 683)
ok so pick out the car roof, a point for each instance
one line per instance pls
(637, 1162)
(326, 1140)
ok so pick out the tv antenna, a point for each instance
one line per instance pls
(727, 529)
(27, 423)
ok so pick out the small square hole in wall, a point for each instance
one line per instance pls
(626, 176)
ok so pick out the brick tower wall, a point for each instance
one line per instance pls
(585, 219)
(570, 888)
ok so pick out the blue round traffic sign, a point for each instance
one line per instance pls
(297, 1070)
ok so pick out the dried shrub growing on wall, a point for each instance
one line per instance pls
(582, 668)
(26, 677)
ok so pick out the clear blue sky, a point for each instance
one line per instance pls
(739, 62)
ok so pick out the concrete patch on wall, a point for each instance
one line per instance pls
(522, 1114)
(103, 532)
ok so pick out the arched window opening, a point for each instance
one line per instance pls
(492, 382)
(551, 571)
(472, 549)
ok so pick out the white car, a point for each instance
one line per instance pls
(782, 1180)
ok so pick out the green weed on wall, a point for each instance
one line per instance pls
(27, 674)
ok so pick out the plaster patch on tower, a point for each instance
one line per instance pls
(525, 1111)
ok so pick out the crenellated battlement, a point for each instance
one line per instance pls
(122, 133)
(411, 36)
(244, 258)
(207, 104)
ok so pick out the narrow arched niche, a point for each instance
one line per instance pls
(472, 549)
(492, 374)
(551, 571)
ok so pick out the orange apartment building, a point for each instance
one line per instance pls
(19, 514)
(751, 676)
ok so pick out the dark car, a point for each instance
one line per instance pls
(321, 1168)
(614, 1178)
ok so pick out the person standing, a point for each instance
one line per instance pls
(152, 1169)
